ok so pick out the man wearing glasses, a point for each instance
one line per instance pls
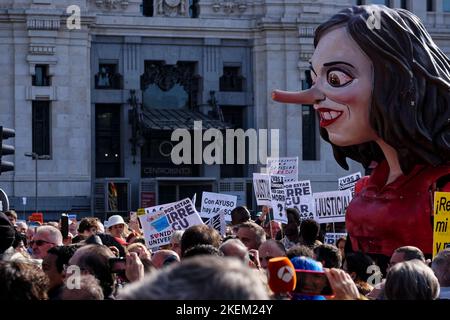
(46, 237)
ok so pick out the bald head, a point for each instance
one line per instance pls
(162, 257)
(270, 249)
(235, 248)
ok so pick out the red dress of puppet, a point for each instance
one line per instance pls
(383, 95)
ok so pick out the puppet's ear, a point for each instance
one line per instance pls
(310, 96)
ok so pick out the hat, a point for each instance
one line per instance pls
(305, 263)
(114, 220)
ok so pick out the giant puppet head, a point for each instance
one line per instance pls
(379, 85)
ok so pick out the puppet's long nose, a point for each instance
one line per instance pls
(310, 96)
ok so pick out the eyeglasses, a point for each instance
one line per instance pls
(39, 242)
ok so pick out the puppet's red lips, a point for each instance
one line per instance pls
(328, 116)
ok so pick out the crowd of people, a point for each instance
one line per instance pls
(112, 261)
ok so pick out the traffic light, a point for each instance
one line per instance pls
(5, 150)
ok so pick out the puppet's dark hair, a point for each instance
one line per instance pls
(410, 107)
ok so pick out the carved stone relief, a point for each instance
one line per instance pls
(230, 6)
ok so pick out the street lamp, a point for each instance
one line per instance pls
(36, 157)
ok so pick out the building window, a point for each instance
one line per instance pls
(108, 77)
(234, 115)
(194, 9)
(147, 8)
(231, 80)
(309, 132)
(107, 141)
(404, 4)
(118, 197)
(167, 86)
(174, 98)
(431, 5)
(387, 3)
(446, 5)
(41, 127)
(41, 77)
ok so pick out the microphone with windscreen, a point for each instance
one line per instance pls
(282, 276)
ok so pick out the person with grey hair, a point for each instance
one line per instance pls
(401, 254)
(226, 279)
(46, 237)
(94, 259)
(411, 280)
(441, 268)
(235, 248)
(175, 241)
(88, 288)
(21, 227)
(251, 235)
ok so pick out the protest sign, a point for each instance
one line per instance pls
(331, 206)
(299, 196)
(305, 206)
(241, 197)
(157, 208)
(349, 182)
(298, 188)
(159, 222)
(153, 238)
(331, 238)
(157, 230)
(441, 232)
(261, 185)
(212, 203)
(36, 217)
(217, 222)
(278, 198)
(287, 167)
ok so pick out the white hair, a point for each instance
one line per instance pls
(53, 234)
(176, 236)
(199, 278)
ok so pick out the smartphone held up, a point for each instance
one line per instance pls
(65, 225)
(117, 265)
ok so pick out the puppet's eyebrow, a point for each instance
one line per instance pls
(332, 63)
(312, 69)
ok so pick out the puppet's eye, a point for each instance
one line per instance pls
(338, 78)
